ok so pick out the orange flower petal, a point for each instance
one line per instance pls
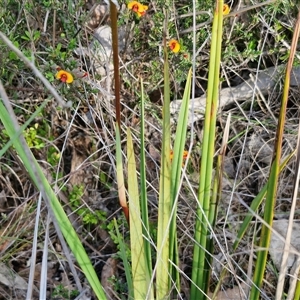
(64, 76)
(140, 14)
(132, 4)
(145, 7)
(137, 7)
(174, 46)
(185, 154)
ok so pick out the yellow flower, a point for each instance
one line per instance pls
(174, 46)
(138, 8)
(64, 76)
(226, 9)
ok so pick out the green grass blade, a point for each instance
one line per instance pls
(144, 201)
(140, 274)
(217, 188)
(199, 273)
(255, 204)
(216, 196)
(253, 208)
(43, 185)
(265, 236)
(162, 274)
(125, 262)
(297, 291)
(180, 138)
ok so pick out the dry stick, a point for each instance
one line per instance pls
(46, 22)
(294, 279)
(285, 256)
(35, 70)
(34, 250)
(54, 29)
(44, 267)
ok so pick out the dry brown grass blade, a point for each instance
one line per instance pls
(120, 177)
(271, 195)
(285, 255)
(287, 245)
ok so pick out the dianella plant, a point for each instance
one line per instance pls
(161, 279)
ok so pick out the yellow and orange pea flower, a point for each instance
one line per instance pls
(226, 9)
(64, 76)
(174, 46)
(137, 7)
(184, 155)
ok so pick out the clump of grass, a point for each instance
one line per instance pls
(247, 41)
